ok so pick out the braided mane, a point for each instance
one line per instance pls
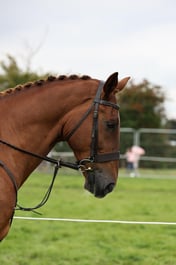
(41, 82)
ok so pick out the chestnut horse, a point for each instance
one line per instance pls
(34, 117)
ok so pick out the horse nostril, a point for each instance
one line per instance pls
(110, 187)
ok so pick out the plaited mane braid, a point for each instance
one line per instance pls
(41, 82)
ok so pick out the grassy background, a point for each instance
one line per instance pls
(68, 243)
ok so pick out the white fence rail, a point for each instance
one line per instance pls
(92, 221)
(136, 139)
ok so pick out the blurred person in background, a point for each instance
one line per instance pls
(133, 155)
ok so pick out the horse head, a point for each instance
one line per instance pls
(94, 136)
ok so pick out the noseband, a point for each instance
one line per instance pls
(94, 156)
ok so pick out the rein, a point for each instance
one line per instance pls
(94, 156)
(45, 158)
(58, 164)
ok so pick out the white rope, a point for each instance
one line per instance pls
(94, 221)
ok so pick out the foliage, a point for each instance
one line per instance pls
(65, 243)
(13, 75)
(142, 106)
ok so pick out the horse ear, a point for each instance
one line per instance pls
(122, 83)
(110, 85)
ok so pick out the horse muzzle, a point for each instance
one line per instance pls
(98, 183)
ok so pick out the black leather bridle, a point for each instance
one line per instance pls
(93, 158)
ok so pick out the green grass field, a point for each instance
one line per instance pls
(32, 242)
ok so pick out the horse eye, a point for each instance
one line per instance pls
(111, 124)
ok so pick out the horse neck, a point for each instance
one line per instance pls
(33, 119)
